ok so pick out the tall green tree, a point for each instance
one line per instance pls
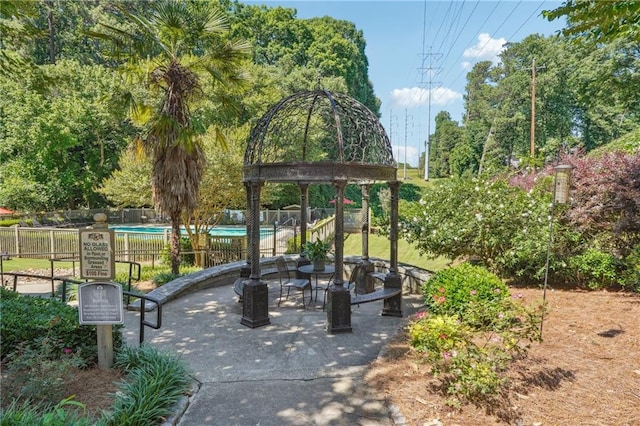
(599, 21)
(447, 134)
(184, 41)
(328, 47)
(58, 141)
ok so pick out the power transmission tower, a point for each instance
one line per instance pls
(391, 132)
(430, 84)
(406, 132)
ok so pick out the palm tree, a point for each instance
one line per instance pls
(173, 45)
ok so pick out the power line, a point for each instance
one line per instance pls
(495, 31)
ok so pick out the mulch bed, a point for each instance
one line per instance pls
(585, 372)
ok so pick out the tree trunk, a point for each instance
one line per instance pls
(175, 244)
(52, 33)
(484, 149)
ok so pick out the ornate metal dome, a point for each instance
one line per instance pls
(319, 136)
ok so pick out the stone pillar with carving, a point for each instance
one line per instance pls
(255, 293)
(245, 271)
(393, 306)
(304, 206)
(366, 283)
(338, 297)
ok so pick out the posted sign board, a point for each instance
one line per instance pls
(97, 254)
(100, 303)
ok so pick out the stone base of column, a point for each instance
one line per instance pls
(365, 283)
(255, 304)
(338, 310)
(245, 272)
(392, 307)
(301, 262)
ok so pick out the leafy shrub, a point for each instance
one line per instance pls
(472, 331)
(630, 277)
(503, 226)
(155, 381)
(606, 199)
(438, 335)
(28, 413)
(164, 277)
(9, 222)
(594, 268)
(39, 369)
(25, 319)
(188, 259)
(293, 245)
(452, 290)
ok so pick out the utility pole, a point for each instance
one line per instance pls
(533, 108)
(534, 68)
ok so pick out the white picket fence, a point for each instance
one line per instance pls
(59, 243)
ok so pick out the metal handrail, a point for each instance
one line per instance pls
(143, 297)
(127, 293)
(132, 266)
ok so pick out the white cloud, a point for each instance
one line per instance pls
(487, 49)
(411, 157)
(416, 96)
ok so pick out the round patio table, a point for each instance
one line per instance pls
(329, 269)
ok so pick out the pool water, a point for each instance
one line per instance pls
(216, 231)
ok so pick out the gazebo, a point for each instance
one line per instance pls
(314, 137)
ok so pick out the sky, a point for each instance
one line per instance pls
(419, 53)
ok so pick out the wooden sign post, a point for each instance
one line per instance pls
(100, 303)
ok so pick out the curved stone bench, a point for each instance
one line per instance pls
(228, 274)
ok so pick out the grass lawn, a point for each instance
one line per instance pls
(415, 177)
(380, 246)
(22, 264)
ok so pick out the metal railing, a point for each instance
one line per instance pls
(128, 295)
(143, 322)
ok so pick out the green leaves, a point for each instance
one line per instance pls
(599, 21)
(477, 218)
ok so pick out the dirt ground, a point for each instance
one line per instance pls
(585, 372)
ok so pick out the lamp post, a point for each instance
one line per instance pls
(561, 185)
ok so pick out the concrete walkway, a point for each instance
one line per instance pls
(290, 372)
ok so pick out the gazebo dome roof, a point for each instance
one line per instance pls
(319, 136)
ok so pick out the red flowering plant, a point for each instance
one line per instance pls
(473, 328)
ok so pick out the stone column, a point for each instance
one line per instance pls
(393, 305)
(304, 204)
(255, 293)
(245, 271)
(338, 297)
(365, 283)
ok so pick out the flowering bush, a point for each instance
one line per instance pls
(38, 370)
(26, 319)
(452, 290)
(472, 331)
(503, 226)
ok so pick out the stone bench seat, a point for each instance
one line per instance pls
(238, 284)
(383, 293)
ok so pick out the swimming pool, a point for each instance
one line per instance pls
(218, 231)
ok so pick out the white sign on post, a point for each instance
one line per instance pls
(97, 261)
